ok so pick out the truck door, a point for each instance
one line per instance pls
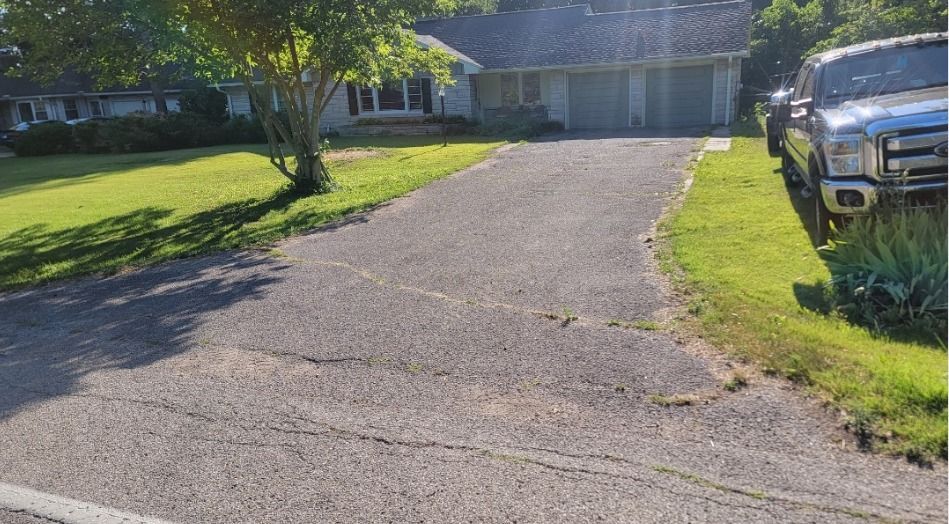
(800, 125)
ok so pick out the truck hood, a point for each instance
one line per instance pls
(856, 114)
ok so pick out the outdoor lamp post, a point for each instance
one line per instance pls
(441, 97)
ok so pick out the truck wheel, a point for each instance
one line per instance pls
(774, 145)
(824, 218)
(789, 170)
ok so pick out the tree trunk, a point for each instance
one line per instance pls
(161, 105)
(312, 175)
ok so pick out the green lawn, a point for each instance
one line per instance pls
(742, 245)
(73, 214)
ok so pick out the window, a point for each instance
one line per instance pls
(71, 109)
(805, 77)
(509, 94)
(25, 109)
(393, 96)
(530, 89)
(95, 108)
(39, 109)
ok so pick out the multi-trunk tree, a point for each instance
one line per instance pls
(303, 51)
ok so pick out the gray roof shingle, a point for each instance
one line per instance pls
(574, 36)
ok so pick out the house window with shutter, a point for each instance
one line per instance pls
(398, 96)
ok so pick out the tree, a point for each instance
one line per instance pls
(877, 19)
(303, 51)
(475, 7)
(116, 42)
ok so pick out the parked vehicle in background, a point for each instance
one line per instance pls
(9, 137)
(772, 124)
(866, 117)
(88, 119)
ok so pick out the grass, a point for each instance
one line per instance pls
(741, 246)
(68, 215)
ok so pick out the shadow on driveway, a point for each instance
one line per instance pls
(51, 337)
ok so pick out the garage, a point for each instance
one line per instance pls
(679, 96)
(599, 100)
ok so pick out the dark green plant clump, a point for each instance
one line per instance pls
(889, 270)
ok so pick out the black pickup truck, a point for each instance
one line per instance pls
(866, 117)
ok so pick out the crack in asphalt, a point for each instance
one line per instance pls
(581, 320)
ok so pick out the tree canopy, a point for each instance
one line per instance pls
(116, 42)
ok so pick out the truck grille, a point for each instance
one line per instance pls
(917, 153)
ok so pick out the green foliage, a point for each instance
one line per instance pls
(889, 270)
(742, 243)
(519, 127)
(117, 42)
(863, 21)
(45, 139)
(205, 101)
(88, 138)
(787, 31)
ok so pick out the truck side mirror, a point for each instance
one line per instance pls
(782, 112)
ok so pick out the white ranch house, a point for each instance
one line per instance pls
(668, 67)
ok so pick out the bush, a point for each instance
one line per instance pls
(520, 127)
(88, 138)
(205, 101)
(244, 130)
(889, 270)
(139, 133)
(45, 139)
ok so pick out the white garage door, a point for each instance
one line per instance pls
(599, 100)
(124, 107)
(679, 96)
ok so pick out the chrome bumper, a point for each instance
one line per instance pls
(829, 189)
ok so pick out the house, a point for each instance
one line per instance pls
(666, 67)
(72, 96)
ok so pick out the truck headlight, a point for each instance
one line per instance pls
(844, 155)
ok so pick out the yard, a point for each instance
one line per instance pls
(73, 214)
(739, 245)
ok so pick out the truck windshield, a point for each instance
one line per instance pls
(884, 71)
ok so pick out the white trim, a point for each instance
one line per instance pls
(714, 89)
(566, 100)
(728, 94)
(629, 97)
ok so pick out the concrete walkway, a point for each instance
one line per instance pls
(447, 357)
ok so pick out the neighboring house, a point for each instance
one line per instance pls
(668, 67)
(72, 96)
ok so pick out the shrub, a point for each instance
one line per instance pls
(244, 130)
(520, 127)
(139, 133)
(88, 138)
(205, 101)
(889, 270)
(45, 139)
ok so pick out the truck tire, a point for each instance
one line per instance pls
(824, 218)
(774, 145)
(788, 170)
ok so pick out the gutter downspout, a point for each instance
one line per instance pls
(728, 93)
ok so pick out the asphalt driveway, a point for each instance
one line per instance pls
(413, 363)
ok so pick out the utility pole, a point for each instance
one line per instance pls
(441, 96)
